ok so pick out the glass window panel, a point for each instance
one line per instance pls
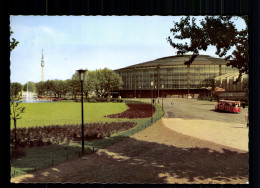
(211, 69)
(207, 68)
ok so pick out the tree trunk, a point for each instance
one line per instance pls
(15, 144)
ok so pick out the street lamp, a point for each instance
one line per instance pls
(152, 101)
(140, 92)
(162, 96)
(155, 93)
(81, 73)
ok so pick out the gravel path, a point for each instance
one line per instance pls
(158, 154)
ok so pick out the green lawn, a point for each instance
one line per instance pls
(65, 113)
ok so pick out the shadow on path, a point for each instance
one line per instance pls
(136, 161)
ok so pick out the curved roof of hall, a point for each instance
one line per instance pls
(179, 60)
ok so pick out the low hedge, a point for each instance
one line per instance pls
(101, 99)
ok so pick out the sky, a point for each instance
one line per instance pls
(70, 43)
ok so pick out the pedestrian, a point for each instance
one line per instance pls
(153, 101)
(247, 122)
(172, 103)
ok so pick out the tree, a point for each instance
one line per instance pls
(31, 87)
(65, 88)
(15, 88)
(218, 31)
(107, 81)
(59, 87)
(13, 43)
(40, 88)
(16, 110)
(48, 85)
(74, 84)
(101, 81)
(90, 83)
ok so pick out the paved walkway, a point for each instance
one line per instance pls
(232, 135)
(198, 119)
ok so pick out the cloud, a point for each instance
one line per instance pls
(35, 35)
(47, 35)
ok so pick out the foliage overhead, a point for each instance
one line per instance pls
(13, 43)
(218, 31)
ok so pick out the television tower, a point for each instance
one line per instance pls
(42, 64)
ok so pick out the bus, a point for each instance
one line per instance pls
(228, 106)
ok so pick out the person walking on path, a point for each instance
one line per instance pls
(172, 103)
(246, 118)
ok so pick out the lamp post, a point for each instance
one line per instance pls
(81, 73)
(140, 92)
(155, 94)
(162, 96)
(152, 101)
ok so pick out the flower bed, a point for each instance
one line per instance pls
(136, 111)
(56, 134)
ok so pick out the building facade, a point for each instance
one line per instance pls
(238, 91)
(225, 81)
(170, 76)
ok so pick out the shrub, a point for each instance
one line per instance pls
(92, 99)
(39, 136)
(101, 99)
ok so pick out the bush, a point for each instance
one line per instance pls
(103, 99)
(92, 99)
(55, 134)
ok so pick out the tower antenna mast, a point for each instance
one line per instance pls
(42, 65)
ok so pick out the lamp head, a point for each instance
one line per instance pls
(81, 74)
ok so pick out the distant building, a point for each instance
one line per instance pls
(238, 91)
(226, 82)
(169, 76)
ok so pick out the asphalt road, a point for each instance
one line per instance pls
(198, 109)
